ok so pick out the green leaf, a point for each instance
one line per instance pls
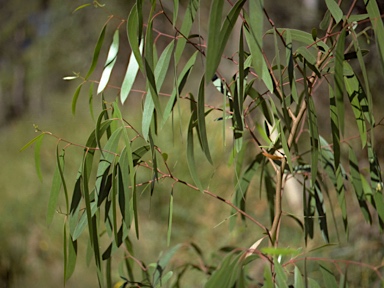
(55, 189)
(186, 26)
(191, 154)
(378, 27)
(339, 79)
(335, 10)
(107, 159)
(181, 80)
(81, 7)
(358, 186)
(75, 97)
(39, 141)
(227, 273)
(302, 37)
(334, 128)
(303, 51)
(254, 37)
(313, 131)
(162, 263)
(202, 130)
(359, 103)
(134, 34)
(130, 76)
(328, 277)
(218, 34)
(170, 217)
(281, 277)
(90, 101)
(96, 52)
(37, 138)
(71, 260)
(244, 182)
(298, 278)
(111, 60)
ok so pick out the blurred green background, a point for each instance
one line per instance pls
(40, 43)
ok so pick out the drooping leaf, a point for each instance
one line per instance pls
(110, 63)
(218, 34)
(358, 186)
(56, 185)
(334, 128)
(191, 154)
(130, 75)
(182, 79)
(38, 141)
(71, 260)
(254, 37)
(202, 130)
(96, 52)
(75, 97)
(134, 34)
(170, 217)
(339, 79)
(186, 26)
(378, 27)
(359, 103)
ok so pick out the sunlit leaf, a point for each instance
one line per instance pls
(110, 62)
(130, 75)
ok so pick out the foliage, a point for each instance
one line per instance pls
(285, 110)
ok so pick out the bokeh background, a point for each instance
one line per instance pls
(42, 41)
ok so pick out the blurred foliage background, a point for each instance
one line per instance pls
(41, 42)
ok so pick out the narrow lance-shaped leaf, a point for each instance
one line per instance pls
(218, 37)
(134, 35)
(318, 195)
(75, 97)
(181, 80)
(38, 141)
(96, 52)
(186, 26)
(111, 60)
(358, 186)
(339, 79)
(313, 130)
(202, 130)
(334, 128)
(160, 73)
(214, 26)
(130, 75)
(254, 36)
(378, 26)
(357, 97)
(170, 217)
(72, 256)
(57, 181)
(191, 154)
